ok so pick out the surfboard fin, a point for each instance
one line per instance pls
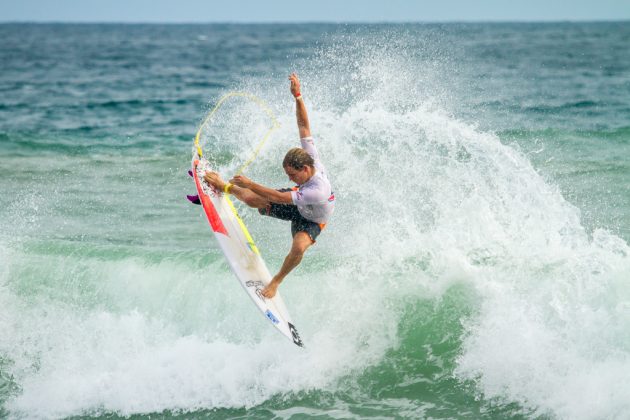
(193, 199)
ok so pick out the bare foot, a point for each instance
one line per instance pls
(214, 179)
(270, 290)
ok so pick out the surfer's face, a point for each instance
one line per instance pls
(299, 176)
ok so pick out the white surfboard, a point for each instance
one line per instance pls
(241, 251)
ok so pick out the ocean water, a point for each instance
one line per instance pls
(477, 265)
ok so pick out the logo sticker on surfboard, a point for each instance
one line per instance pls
(296, 337)
(272, 317)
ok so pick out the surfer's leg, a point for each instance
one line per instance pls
(249, 197)
(301, 242)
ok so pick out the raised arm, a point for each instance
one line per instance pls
(300, 108)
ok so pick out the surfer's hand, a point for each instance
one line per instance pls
(241, 181)
(214, 179)
(295, 84)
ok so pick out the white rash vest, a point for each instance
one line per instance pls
(314, 199)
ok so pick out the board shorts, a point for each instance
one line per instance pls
(290, 212)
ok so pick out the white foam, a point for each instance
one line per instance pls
(144, 338)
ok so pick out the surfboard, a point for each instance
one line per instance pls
(240, 251)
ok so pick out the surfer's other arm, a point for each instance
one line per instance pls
(300, 108)
(252, 194)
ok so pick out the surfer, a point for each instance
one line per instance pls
(308, 205)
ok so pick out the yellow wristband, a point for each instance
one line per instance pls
(226, 188)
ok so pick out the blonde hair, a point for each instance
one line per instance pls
(297, 158)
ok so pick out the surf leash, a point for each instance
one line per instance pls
(275, 124)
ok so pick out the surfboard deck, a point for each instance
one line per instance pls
(240, 251)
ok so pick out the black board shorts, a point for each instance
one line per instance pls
(291, 212)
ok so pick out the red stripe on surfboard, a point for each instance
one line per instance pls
(213, 217)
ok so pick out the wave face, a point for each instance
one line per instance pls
(458, 277)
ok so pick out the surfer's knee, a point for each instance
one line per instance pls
(297, 254)
(298, 250)
(301, 242)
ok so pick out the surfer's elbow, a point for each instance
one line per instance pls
(252, 200)
(281, 197)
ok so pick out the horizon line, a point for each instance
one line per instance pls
(313, 22)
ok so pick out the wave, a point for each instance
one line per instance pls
(451, 269)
